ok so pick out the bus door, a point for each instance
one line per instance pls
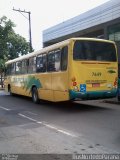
(45, 76)
(60, 75)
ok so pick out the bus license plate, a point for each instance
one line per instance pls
(96, 85)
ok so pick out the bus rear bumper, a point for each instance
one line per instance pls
(93, 94)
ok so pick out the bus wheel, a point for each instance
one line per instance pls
(35, 97)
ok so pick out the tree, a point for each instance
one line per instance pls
(12, 45)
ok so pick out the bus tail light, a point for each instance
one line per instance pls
(115, 82)
(74, 83)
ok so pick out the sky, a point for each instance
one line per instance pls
(44, 14)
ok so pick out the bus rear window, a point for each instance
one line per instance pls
(94, 50)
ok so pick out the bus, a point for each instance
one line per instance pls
(77, 68)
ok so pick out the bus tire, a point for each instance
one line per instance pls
(35, 97)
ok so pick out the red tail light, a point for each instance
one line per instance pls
(74, 83)
(115, 82)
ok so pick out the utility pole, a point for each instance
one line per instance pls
(29, 18)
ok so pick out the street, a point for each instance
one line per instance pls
(67, 127)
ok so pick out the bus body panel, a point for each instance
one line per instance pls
(60, 86)
(45, 91)
(18, 85)
(96, 80)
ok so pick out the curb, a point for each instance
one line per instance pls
(112, 102)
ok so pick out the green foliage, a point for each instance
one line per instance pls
(12, 45)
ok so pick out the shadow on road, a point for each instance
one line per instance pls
(75, 107)
(68, 107)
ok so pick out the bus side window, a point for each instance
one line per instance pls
(32, 65)
(24, 66)
(12, 68)
(64, 58)
(51, 61)
(7, 70)
(18, 67)
(39, 63)
(57, 60)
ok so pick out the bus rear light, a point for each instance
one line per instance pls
(74, 83)
(115, 82)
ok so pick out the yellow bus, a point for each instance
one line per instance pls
(77, 68)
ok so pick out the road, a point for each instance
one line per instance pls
(76, 127)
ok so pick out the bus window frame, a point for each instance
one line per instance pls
(64, 47)
(53, 61)
(57, 51)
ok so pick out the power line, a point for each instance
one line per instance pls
(29, 18)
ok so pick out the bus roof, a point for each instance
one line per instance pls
(46, 49)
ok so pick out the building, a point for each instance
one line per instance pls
(101, 22)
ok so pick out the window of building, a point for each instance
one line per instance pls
(114, 35)
(114, 32)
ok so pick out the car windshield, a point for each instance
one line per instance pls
(94, 50)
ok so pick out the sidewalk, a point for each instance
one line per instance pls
(112, 101)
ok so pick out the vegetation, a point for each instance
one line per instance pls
(12, 45)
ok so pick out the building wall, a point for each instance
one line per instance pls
(104, 13)
(101, 22)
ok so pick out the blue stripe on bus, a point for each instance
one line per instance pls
(93, 94)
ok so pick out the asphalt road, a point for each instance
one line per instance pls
(86, 126)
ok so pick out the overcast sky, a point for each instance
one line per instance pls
(44, 14)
